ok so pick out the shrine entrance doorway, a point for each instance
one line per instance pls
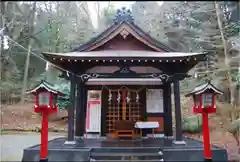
(124, 104)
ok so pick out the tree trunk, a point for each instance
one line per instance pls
(228, 75)
(51, 72)
(2, 23)
(31, 29)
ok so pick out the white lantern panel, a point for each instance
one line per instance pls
(43, 98)
(197, 100)
(207, 99)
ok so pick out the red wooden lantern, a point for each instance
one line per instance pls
(204, 97)
(46, 97)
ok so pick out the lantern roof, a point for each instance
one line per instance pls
(45, 85)
(203, 87)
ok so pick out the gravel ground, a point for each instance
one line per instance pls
(12, 144)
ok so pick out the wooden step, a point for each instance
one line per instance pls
(128, 160)
(135, 155)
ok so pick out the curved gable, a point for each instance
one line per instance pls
(124, 31)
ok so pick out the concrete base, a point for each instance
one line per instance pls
(193, 154)
(207, 160)
(43, 160)
(179, 142)
(98, 149)
(69, 142)
(59, 154)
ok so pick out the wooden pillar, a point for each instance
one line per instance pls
(79, 109)
(71, 110)
(168, 132)
(178, 114)
(104, 107)
(83, 110)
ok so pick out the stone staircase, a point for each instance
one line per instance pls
(126, 155)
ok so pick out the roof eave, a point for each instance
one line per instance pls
(49, 56)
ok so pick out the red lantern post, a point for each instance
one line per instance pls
(45, 104)
(205, 103)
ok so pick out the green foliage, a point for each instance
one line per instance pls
(147, 15)
(192, 124)
(62, 26)
(235, 131)
(63, 102)
(232, 29)
(194, 25)
(59, 27)
(106, 17)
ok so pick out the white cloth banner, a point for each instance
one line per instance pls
(146, 125)
(93, 123)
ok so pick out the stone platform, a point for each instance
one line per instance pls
(151, 149)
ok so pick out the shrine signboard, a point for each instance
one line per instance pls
(154, 101)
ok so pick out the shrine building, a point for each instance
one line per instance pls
(123, 84)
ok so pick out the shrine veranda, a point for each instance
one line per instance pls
(124, 74)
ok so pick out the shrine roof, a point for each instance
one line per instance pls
(99, 49)
(202, 88)
(44, 85)
(124, 16)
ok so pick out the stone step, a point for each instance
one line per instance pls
(159, 160)
(124, 154)
(118, 156)
(126, 157)
(125, 150)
